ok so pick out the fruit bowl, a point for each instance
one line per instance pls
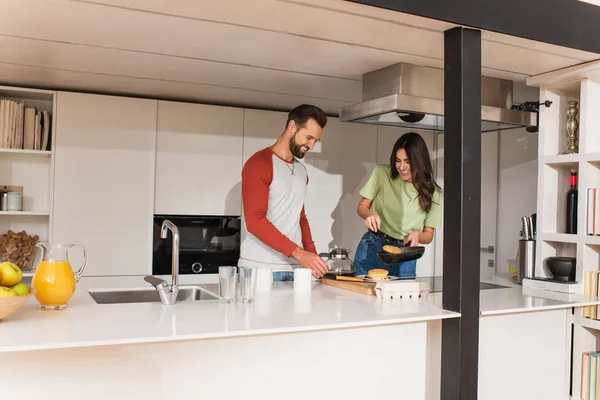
(9, 305)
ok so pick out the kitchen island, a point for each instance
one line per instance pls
(285, 345)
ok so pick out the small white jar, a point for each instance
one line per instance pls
(14, 202)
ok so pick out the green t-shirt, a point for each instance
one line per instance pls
(396, 201)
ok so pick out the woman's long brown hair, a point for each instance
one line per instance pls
(420, 167)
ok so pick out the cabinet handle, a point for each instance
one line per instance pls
(489, 249)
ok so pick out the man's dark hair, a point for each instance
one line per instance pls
(301, 114)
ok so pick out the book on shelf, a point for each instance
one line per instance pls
(23, 127)
(591, 283)
(590, 381)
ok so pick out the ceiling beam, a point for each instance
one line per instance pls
(573, 24)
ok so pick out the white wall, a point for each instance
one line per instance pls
(517, 182)
(517, 190)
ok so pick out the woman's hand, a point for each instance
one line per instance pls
(373, 222)
(371, 218)
(412, 239)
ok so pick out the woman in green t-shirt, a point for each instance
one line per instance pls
(401, 206)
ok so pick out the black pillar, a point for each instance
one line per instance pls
(462, 205)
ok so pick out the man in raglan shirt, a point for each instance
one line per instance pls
(276, 233)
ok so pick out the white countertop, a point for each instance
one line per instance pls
(518, 299)
(85, 323)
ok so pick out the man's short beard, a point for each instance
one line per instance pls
(295, 148)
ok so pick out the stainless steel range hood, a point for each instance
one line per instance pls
(413, 96)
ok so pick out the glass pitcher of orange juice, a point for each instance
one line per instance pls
(54, 281)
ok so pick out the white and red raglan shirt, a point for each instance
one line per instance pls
(274, 222)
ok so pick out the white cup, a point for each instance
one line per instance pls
(264, 279)
(302, 279)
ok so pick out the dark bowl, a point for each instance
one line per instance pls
(561, 268)
(408, 253)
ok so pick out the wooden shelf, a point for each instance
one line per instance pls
(26, 213)
(590, 323)
(558, 237)
(562, 159)
(591, 240)
(40, 153)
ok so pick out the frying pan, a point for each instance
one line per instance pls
(408, 253)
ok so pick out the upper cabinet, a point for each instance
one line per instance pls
(198, 159)
(104, 181)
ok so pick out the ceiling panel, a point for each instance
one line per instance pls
(83, 23)
(67, 57)
(270, 53)
(375, 28)
(87, 82)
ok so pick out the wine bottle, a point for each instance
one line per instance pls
(572, 204)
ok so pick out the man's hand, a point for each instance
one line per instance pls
(310, 261)
(373, 222)
(412, 239)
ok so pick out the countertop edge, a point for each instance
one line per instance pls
(225, 335)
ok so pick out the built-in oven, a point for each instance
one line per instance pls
(205, 243)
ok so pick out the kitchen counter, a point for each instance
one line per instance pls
(86, 323)
(168, 352)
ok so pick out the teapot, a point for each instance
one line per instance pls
(338, 262)
(54, 280)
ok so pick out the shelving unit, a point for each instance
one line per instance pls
(31, 169)
(582, 84)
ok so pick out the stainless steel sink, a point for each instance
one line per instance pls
(149, 295)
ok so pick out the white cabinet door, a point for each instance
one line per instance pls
(386, 138)
(198, 159)
(104, 181)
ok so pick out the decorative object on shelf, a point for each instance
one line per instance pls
(15, 201)
(3, 200)
(571, 226)
(572, 128)
(12, 198)
(561, 268)
(54, 281)
(18, 248)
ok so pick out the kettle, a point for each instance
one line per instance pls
(338, 262)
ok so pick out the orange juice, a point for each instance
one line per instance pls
(54, 283)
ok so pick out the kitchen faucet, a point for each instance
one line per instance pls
(168, 294)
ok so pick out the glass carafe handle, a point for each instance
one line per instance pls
(79, 272)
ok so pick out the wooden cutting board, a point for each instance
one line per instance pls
(367, 288)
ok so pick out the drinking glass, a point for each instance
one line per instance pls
(247, 282)
(227, 278)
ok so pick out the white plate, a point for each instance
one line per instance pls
(389, 278)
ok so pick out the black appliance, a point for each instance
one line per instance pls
(205, 243)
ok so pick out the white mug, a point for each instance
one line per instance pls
(302, 279)
(264, 279)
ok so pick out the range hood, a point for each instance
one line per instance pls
(412, 96)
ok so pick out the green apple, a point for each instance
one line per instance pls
(7, 292)
(21, 289)
(11, 274)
